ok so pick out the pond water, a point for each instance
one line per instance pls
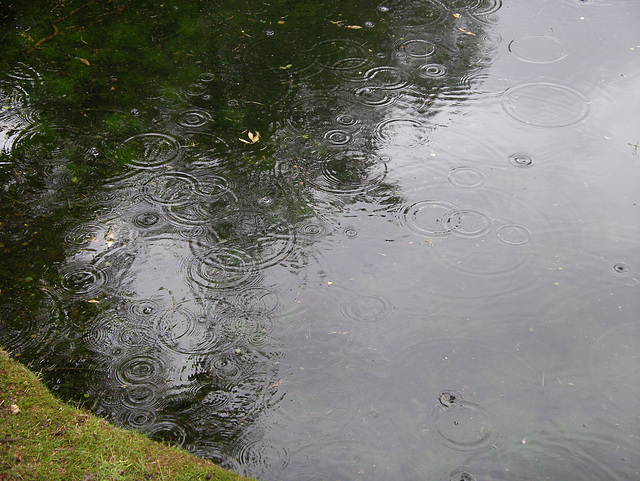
(358, 240)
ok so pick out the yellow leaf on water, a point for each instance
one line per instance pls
(84, 61)
(354, 27)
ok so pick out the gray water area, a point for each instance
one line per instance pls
(356, 240)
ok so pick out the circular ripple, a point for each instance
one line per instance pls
(20, 328)
(83, 234)
(349, 173)
(337, 137)
(140, 395)
(537, 49)
(514, 235)
(461, 475)
(367, 309)
(416, 48)
(373, 96)
(83, 281)
(221, 269)
(167, 431)
(467, 223)
(217, 399)
(341, 54)
(314, 230)
(386, 78)
(430, 217)
(464, 426)
(140, 419)
(432, 70)
(545, 104)
(347, 120)
(226, 367)
(182, 331)
(521, 159)
(147, 219)
(402, 131)
(467, 177)
(171, 189)
(143, 309)
(620, 268)
(409, 14)
(257, 299)
(148, 151)
(193, 118)
(261, 456)
(138, 370)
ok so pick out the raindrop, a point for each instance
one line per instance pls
(265, 201)
(350, 232)
(545, 104)
(461, 475)
(207, 77)
(521, 159)
(449, 398)
(620, 268)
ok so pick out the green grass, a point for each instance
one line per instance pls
(42, 438)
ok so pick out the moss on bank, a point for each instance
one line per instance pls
(42, 438)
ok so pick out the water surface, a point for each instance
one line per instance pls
(332, 240)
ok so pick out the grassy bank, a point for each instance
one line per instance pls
(42, 438)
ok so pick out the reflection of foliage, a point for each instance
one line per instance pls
(138, 126)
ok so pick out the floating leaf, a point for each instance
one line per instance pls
(84, 61)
